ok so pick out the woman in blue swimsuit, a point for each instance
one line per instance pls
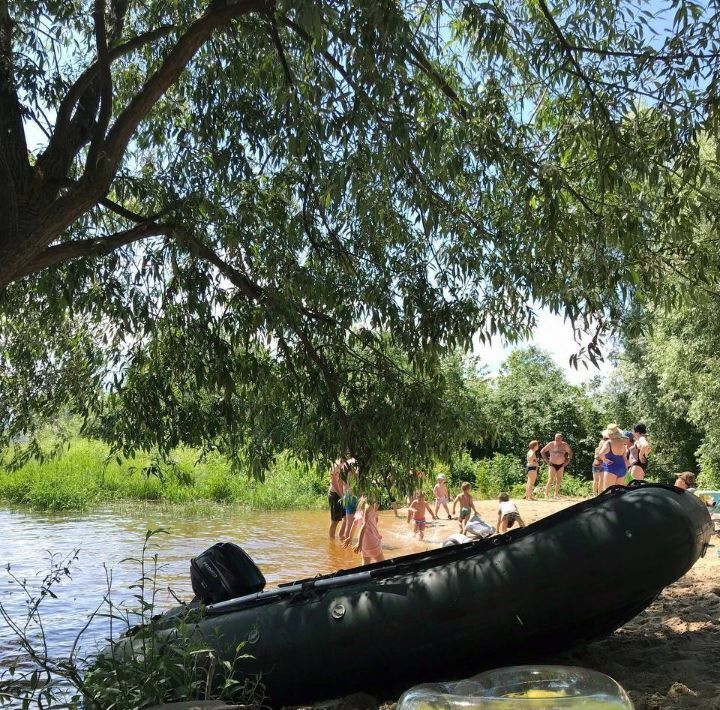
(613, 455)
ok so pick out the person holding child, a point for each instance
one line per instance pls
(335, 493)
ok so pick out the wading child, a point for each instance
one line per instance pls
(507, 515)
(467, 505)
(350, 504)
(442, 496)
(417, 509)
(368, 544)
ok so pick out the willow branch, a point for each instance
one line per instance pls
(106, 87)
(67, 251)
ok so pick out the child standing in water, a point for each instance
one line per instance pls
(442, 496)
(466, 505)
(350, 504)
(417, 509)
(368, 544)
(507, 514)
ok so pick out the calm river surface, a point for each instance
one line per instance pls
(285, 545)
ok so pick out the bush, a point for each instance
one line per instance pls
(500, 473)
(462, 468)
(576, 486)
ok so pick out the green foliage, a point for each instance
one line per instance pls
(241, 260)
(84, 477)
(500, 473)
(150, 672)
(532, 399)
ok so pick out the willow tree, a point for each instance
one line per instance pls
(283, 182)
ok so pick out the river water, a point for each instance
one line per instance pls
(285, 545)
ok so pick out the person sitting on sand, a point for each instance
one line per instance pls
(507, 514)
(417, 509)
(368, 544)
(442, 495)
(557, 455)
(685, 480)
(466, 505)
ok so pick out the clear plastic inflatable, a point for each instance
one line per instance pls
(522, 688)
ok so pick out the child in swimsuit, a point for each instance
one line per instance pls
(507, 514)
(466, 505)
(368, 544)
(418, 508)
(442, 495)
(350, 504)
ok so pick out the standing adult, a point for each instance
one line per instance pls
(638, 452)
(613, 456)
(335, 494)
(531, 468)
(597, 467)
(557, 455)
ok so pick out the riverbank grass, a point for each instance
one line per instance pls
(85, 477)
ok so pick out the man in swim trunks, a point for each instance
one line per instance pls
(557, 455)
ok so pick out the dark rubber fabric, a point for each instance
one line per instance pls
(571, 577)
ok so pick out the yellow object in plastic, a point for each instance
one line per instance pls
(539, 693)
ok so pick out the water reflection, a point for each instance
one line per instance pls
(285, 545)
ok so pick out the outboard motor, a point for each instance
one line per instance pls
(224, 571)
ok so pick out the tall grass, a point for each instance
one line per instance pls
(84, 477)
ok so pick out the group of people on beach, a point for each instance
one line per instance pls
(357, 516)
(618, 454)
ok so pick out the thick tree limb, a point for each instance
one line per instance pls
(106, 86)
(67, 251)
(13, 146)
(52, 220)
(62, 148)
(95, 183)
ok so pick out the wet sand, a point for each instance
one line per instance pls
(668, 657)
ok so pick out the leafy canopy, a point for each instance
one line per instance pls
(237, 201)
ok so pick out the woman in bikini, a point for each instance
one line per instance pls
(531, 468)
(613, 457)
(638, 452)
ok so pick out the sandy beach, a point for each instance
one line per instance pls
(668, 657)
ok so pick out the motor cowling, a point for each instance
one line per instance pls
(224, 571)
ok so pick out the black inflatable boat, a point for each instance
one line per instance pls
(569, 578)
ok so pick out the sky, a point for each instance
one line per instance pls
(556, 337)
